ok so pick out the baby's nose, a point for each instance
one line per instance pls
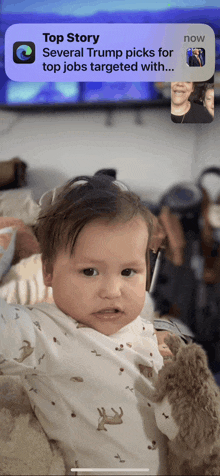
(110, 287)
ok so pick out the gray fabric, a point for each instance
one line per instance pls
(175, 326)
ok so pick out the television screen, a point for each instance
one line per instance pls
(18, 94)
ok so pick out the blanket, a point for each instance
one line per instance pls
(24, 447)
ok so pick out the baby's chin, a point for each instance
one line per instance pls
(106, 324)
(108, 327)
(111, 328)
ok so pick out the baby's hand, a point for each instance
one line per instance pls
(163, 348)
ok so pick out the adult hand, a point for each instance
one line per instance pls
(163, 348)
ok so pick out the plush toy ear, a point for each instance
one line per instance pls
(174, 343)
(195, 360)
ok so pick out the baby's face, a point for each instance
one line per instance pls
(102, 285)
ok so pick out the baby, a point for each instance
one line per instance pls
(88, 361)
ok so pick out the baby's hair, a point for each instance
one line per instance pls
(111, 173)
(81, 201)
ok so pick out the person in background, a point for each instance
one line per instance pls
(195, 59)
(208, 98)
(183, 108)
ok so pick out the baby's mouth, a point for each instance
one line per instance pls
(109, 309)
(108, 312)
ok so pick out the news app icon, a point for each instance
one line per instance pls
(24, 52)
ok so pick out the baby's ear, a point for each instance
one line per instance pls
(47, 270)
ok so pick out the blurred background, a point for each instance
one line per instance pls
(64, 129)
(61, 130)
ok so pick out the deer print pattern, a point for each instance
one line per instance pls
(114, 419)
(2, 317)
(81, 382)
(96, 353)
(119, 458)
(26, 351)
(37, 324)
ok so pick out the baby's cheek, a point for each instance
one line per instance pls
(139, 289)
(138, 302)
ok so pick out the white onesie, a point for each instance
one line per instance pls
(92, 393)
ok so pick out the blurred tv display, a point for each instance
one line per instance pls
(18, 94)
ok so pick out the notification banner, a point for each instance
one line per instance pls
(109, 52)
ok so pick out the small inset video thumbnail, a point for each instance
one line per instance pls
(195, 57)
(192, 102)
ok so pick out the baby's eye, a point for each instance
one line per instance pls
(128, 272)
(90, 272)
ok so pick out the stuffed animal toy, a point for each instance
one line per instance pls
(187, 410)
(24, 447)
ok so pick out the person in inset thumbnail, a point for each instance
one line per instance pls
(208, 98)
(195, 59)
(202, 56)
(183, 109)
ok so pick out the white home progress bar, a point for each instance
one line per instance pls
(113, 470)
